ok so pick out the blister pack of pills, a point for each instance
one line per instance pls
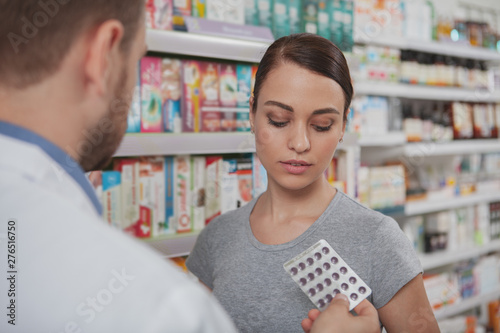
(321, 274)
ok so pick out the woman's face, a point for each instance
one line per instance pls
(298, 123)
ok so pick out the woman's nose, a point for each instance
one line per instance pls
(299, 139)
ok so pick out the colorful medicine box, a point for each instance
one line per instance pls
(182, 194)
(209, 97)
(111, 198)
(190, 106)
(134, 114)
(171, 89)
(151, 116)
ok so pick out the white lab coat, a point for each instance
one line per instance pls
(75, 273)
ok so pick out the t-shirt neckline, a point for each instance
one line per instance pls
(280, 247)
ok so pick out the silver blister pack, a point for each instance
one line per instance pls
(321, 274)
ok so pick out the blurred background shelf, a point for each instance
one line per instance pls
(174, 246)
(461, 147)
(444, 48)
(388, 139)
(430, 206)
(442, 258)
(425, 92)
(465, 305)
(145, 144)
(198, 45)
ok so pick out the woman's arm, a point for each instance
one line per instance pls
(409, 310)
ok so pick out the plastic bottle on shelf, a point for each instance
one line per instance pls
(461, 117)
(459, 33)
(395, 115)
(431, 70)
(471, 74)
(483, 82)
(422, 68)
(412, 124)
(475, 33)
(427, 124)
(404, 76)
(478, 75)
(451, 69)
(441, 72)
(447, 125)
(414, 76)
(461, 73)
(437, 125)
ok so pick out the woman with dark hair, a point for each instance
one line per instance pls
(298, 114)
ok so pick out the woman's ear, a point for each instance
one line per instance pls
(252, 118)
(345, 120)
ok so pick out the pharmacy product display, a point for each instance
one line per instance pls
(149, 197)
(331, 19)
(424, 121)
(418, 20)
(467, 280)
(322, 274)
(454, 230)
(174, 95)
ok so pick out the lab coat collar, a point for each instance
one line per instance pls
(66, 162)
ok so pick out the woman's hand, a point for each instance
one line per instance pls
(337, 318)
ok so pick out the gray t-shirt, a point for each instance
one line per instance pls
(248, 278)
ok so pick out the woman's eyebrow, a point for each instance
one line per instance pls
(280, 105)
(326, 110)
(289, 108)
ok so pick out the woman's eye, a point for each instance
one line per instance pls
(277, 123)
(322, 128)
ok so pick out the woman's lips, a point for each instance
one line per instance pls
(295, 167)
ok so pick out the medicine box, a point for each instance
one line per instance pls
(171, 89)
(209, 97)
(151, 116)
(190, 104)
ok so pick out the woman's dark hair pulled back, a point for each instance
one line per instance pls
(311, 52)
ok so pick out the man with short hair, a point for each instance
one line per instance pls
(67, 72)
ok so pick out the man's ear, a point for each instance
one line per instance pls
(103, 55)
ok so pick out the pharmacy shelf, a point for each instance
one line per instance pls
(465, 305)
(442, 258)
(428, 206)
(174, 246)
(148, 144)
(205, 46)
(450, 49)
(457, 147)
(152, 144)
(425, 92)
(383, 140)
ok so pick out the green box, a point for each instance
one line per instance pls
(295, 16)
(324, 19)
(251, 17)
(336, 22)
(265, 8)
(310, 16)
(281, 25)
(347, 26)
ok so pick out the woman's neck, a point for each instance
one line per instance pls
(280, 204)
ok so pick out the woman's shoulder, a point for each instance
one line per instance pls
(356, 214)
